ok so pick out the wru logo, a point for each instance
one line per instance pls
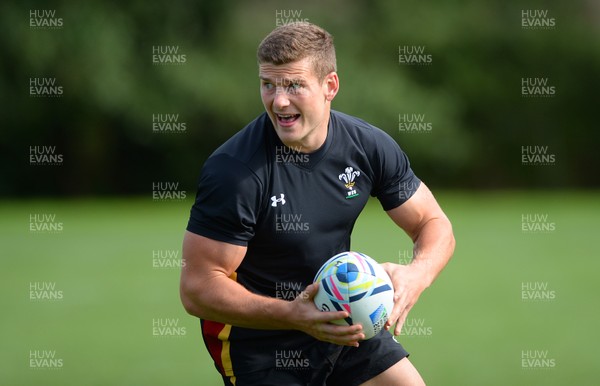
(348, 177)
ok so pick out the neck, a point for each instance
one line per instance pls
(313, 142)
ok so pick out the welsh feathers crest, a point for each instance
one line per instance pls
(348, 177)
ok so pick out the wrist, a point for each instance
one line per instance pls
(422, 267)
(282, 313)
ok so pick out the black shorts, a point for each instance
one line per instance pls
(317, 363)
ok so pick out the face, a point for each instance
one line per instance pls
(297, 102)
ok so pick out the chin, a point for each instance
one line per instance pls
(289, 137)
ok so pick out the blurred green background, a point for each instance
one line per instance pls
(470, 328)
(113, 254)
(470, 93)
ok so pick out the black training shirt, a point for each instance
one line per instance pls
(293, 210)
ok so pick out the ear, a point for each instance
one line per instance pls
(331, 85)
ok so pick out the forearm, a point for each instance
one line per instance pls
(221, 299)
(208, 290)
(433, 248)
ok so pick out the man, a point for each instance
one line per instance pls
(286, 167)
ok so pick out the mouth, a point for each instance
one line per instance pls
(287, 119)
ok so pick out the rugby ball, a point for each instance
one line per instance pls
(354, 282)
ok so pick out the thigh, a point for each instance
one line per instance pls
(373, 357)
(270, 377)
(402, 373)
(299, 360)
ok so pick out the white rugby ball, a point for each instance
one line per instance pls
(354, 282)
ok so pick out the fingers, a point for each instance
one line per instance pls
(309, 292)
(342, 335)
(321, 326)
(342, 331)
(399, 313)
(399, 305)
(400, 322)
(339, 334)
(330, 316)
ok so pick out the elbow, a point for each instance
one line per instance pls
(191, 301)
(451, 246)
(451, 239)
(189, 306)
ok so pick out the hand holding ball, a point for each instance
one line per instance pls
(354, 282)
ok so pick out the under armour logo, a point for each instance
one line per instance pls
(275, 200)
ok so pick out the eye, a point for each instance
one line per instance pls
(268, 86)
(295, 88)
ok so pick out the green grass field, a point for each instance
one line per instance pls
(472, 327)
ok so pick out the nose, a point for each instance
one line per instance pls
(281, 100)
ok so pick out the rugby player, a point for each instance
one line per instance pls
(277, 200)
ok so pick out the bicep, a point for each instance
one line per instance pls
(207, 264)
(205, 258)
(416, 212)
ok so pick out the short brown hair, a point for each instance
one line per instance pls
(296, 41)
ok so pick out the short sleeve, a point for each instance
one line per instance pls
(395, 181)
(227, 201)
